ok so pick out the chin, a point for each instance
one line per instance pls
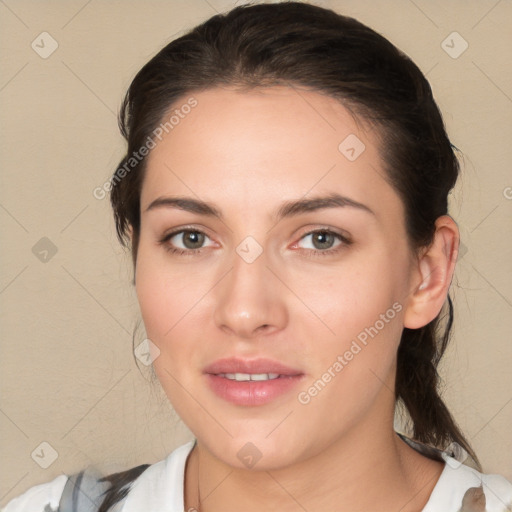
(255, 450)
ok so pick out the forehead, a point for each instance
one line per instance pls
(264, 144)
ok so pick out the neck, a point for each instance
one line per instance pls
(368, 468)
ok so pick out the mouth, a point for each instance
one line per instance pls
(243, 377)
(251, 382)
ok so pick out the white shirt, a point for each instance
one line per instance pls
(160, 489)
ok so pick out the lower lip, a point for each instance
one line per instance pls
(252, 392)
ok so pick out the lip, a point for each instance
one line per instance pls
(251, 393)
(237, 365)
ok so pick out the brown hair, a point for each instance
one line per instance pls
(299, 44)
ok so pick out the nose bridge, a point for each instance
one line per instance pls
(248, 299)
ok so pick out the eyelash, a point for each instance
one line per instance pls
(314, 253)
(310, 253)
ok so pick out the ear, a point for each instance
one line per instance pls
(433, 275)
(129, 232)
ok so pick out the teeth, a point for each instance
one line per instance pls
(264, 376)
(240, 377)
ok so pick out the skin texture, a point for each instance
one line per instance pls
(247, 153)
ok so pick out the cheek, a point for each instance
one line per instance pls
(166, 299)
(173, 302)
(351, 371)
(361, 312)
(354, 297)
(164, 293)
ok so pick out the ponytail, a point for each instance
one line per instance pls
(417, 382)
(119, 486)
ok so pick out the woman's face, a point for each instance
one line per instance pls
(269, 276)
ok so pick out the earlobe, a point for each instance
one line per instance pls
(433, 275)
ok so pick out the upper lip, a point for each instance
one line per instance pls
(252, 366)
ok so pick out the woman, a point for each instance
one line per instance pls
(284, 194)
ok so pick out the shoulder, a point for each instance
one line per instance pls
(461, 488)
(145, 487)
(160, 487)
(40, 498)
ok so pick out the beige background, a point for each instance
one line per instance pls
(68, 375)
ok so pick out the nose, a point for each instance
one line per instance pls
(250, 300)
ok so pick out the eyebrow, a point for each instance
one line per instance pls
(287, 209)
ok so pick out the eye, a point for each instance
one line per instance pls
(190, 242)
(324, 242)
(184, 241)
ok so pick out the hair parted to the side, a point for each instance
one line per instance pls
(301, 45)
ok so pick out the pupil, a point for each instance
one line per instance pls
(195, 238)
(322, 236)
